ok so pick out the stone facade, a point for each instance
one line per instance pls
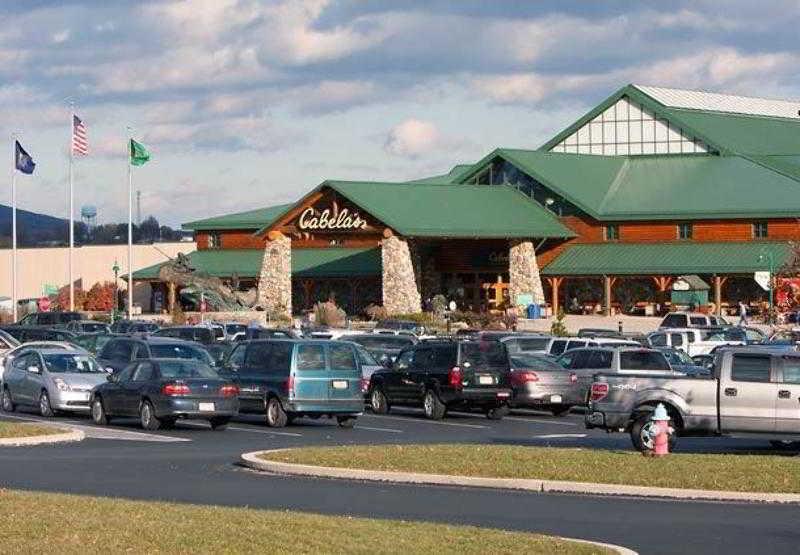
(275, 279)
(400, 286)
(524, 272)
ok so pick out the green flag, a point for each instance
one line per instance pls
(139, 154)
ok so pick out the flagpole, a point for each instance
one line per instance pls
(130, 234)
(71, 210)
(14, 230)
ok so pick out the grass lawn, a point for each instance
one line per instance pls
(761, 473)
(10, 430)
(52, 523)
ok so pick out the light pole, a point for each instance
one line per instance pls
(115, 269)
(769, 257)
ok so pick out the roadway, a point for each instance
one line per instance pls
(192, 464)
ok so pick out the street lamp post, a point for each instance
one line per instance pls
(115, 268)
(768, 257)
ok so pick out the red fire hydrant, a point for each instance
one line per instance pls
(660, 431)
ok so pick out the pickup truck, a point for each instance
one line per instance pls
(751, 392)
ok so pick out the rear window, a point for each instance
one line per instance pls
(384, 342)
(93, 327)
(72, 364)
(575, 345)
(642, 360)
(176, 369)
(698, 320)
(533, 362)
(342, 357)
(558, 347)
(484, 353)
(674, 321)
(527, 344)
(310, 357)
(179, 351)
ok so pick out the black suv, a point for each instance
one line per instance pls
(189, 333)
(56, 319)
(26, 334)
(119, 352)
(446, 375)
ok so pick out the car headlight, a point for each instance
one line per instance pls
(62, 385)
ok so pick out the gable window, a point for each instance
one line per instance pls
(685, 231)
(214, 240)
(612, 232)
(760, 230)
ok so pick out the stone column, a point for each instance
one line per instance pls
(171, 296)
(400, 288)
(523, 272)
(275, 279)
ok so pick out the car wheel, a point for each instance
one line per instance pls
(276, 416)
(8, 404)
(641, 430)
(346, 421)
(560, 410)
(497, 413)
(784, 444)
(380, 405)
(147, 416)
(45, 409)
(99, 415)
(219, 424)
(433, 406)
(168, 423)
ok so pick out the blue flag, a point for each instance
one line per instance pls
(23, 160)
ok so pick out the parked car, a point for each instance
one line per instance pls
(87, 326)
(696, 341)
(119, 352)
(232, 328)
(750, 392)
(134, 326)
(446, 375)
(267, 333)
(285, 379)
(383, 347)
(7, 343)
(680, 361)
(219, 351)
(26, 334)
(369, 365)
(48, 319)
(691, 320)
(397, 326)
(559, 345)
(201, 334)
(94, 342)
(51, 379)
(160, 391)
(527, 344)
(599, 332)
(539, 382)
(24, 347)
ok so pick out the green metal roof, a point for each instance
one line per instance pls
(666, 258)
(450, 177)
(252, 219)
(450, 210)
(246, 263)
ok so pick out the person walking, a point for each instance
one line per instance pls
(742, 314)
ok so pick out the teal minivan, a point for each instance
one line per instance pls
(285, 379)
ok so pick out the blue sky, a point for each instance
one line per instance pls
(247, 103)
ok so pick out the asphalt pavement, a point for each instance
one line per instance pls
(192, 464)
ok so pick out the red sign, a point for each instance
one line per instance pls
(43, 304)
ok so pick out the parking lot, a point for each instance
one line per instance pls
(190, 463)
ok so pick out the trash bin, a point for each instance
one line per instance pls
(534, 312)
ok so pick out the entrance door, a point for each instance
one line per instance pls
(747, 400)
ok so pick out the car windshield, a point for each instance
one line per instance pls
(176, 369)
(642, 360)
(63, 363)
(366, 357)
(727, 334)
(484, 353)
(387, 342)
(219, 352)
(527, 344)
(174, 350)
(679, 357)
(522, 360)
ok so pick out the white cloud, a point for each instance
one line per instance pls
(412, 138)
(61, 36)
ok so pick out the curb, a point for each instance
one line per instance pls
(66, 437)
(252, 460)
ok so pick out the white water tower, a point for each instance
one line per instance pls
(89, 216)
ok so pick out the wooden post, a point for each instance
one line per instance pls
(607, 295)
(555, 283)
(718, 295)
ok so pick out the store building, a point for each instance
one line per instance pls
(649, 185)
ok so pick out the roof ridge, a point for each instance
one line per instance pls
(612, 189)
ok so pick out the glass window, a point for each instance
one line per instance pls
(677, 339)
(445, 357)
(342, 357)
(760, 230)
(365, 357)
(558, 346)
(258, 356)
(178, 350)
(143, 373)
(118, 351)
(658, 340)
(534, 362)
(674, 321)
(71, 363)
(214, 240)
(750, 368)
(484, 354)
(176, 369)
(612, 232)
(527, 344)
(600, 359)
(685, 231)
(405, 360)
(575, 345)
(580, 361)
(310, 357)
(642, 360)
(236, 358)
(280, 357)
(791, 370)
(754, 335)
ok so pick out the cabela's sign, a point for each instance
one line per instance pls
(330, 219)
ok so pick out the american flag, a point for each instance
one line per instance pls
(80, 143)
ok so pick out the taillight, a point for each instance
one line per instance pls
(364, 385)
(455, 377)
(521, 377)
(174, 389)
(599, 391)
(229, 391)
(573, 377)
(290, 385)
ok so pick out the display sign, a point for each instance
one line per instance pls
(681, 285)
(763, 279)
(331, 219)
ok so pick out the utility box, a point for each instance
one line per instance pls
(690, 291)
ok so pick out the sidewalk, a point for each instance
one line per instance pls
(632, 324)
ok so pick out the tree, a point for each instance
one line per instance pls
(100, 297)
(149, 230)
(61, 299)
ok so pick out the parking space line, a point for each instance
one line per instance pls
(390, 430)
(560, 436)
(537, 421)
(421, 421)
(269, 432)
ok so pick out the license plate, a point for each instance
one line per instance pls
(485, 380)
(555, 398)
(205, 407)
(339, 384)
(503, 394)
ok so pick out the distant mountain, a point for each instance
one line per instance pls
(32, 229)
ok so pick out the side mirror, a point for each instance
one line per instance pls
(111, 378)
(34, 370)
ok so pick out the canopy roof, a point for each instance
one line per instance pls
(678, 258)
(251, 219)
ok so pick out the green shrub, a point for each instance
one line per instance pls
(558, 328)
